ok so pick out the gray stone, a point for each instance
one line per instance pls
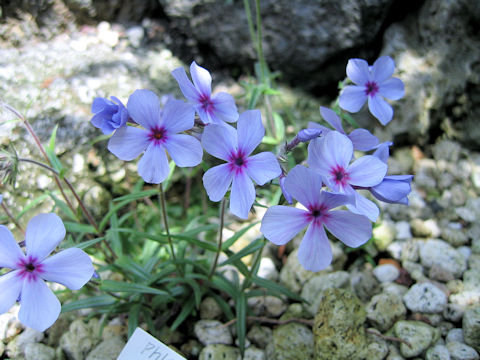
(313, 288)
(292, 274)
(35, 351)
(209, 309)
(453, 312)
(291, 341)
(454, 234)
(219, 352)
(403, 230)
(440, 253)
(474, 262)
(471, 211)
(260, 336)
(395, 289)
(424, 228)
(384, 234)
(384, 310)
(364, 284)
(386, 273)
(9, 323)
(16, 347)
(107, 350)
(267, 305)
(338, 328)
(410, 250)
(253, 353)
(459, 351)
(79, 340)
(377, 347)
(425, 298)
(418, 334)
(212, 332)
(455, 335)
(267, 269)
(135, 35)
(471, 327)
(437, 352)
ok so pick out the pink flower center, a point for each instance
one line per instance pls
(371, 88)
(238, 161)
(340, 176)
(318, 213)
(157, 135)
(206, 103)
(30, 268)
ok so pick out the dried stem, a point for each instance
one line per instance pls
(272, 321)
(220, 239)
(12, 218)
(390, 338)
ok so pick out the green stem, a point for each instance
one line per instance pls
(163, 205)
(261, 59)
(220, 239)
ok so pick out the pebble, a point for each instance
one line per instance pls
(459, 351)
(36, 351)
(418, 334)
(403, 230)
(443, 255)
(209, 309)
(386, 273)
(471, 327)
(364, 284)
(260, 335)
(107, 350)
(212, 332)
(267, 305)
(384, 310)
(437, 352)
(219, 352)
(453, 312)
(455, 335)
(425, 298)
(290, 341)
(253, 353)
(267, 269)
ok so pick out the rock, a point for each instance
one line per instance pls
(455, 234)
(219, 352)
(253, 353)
(437, 352)
(291, 341)
(476, 242)
(364, 284)
(16, 348)
(384, 234)
(425, 228)
(338, 327)
(384, 310)
(79, 340)
(386, 273)
(377, 347)
(313, 288)
(260, 335)
(441, 254)
(212, 332)
(35, 351)
(418, 334)
(410, 250)
(471, 211)
(267, 305)
(9, 323)
(468, 294)
(459, 351)
(107, 349)
(293, 275)
(455, 335)
(191, 347)
(267, 269)
(395, 289)
(403, 230)
(471, 327)
(425, 298)
(453, 312)
(474, 262)
(209, 309)
(135, 35)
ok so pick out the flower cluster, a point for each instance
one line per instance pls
(333, 178)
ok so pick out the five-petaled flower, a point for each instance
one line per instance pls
(211, 109)
(362, 139)
(331, 154)
(235, 147)
(372, 84)
(71, 267)
(281, 223)
(109, 114)
(161, 128)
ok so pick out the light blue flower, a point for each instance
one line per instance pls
(372, 84)
(109, 115)
(73, 268)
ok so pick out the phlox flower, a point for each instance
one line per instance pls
(281, 223)
(160, 132)
(211, 109)
(235, 147)
(362, 139)
(330, 155)
(72, 267)
(372, 84)
(109, 114)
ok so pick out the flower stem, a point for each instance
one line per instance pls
(10, 215)
(163, 205)
(220, 239)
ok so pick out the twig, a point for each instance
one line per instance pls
(9, 214)
(271, 321)
(390, 338)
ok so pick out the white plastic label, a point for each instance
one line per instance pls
(143, 346)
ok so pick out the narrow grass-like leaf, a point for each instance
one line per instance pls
(223, 305)
(79, 228)
(276, 288)
(91, 302)
(136, 195)
(230, 241)
(121, 286)
(200, 243)
(241, 324)
(249, 249)
(63, 207)
(219, 282)
(130, 266)
(133, 318)
(187, 309)
(89, 243)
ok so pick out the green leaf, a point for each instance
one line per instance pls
(186, 310)
(200, 243)
(241, 311)
(32, 204)
(113, 237)
(50, 150)
(91, 302)
(162, 239)
(79, 228)
(276, 288)
(250, 248)
(63, 207)
(121, 286)
(219, 282)
(237, 236)
(89, 243)
(133, 318)
(279, 127)
(223, 305)
(130, 266)
(136, 195)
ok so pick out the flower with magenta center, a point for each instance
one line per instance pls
(372, 84)
(160, 132)
(235, 147)
(72, 268)
(281, 223)
(109, 114)
(214, 109)
(331, 156)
